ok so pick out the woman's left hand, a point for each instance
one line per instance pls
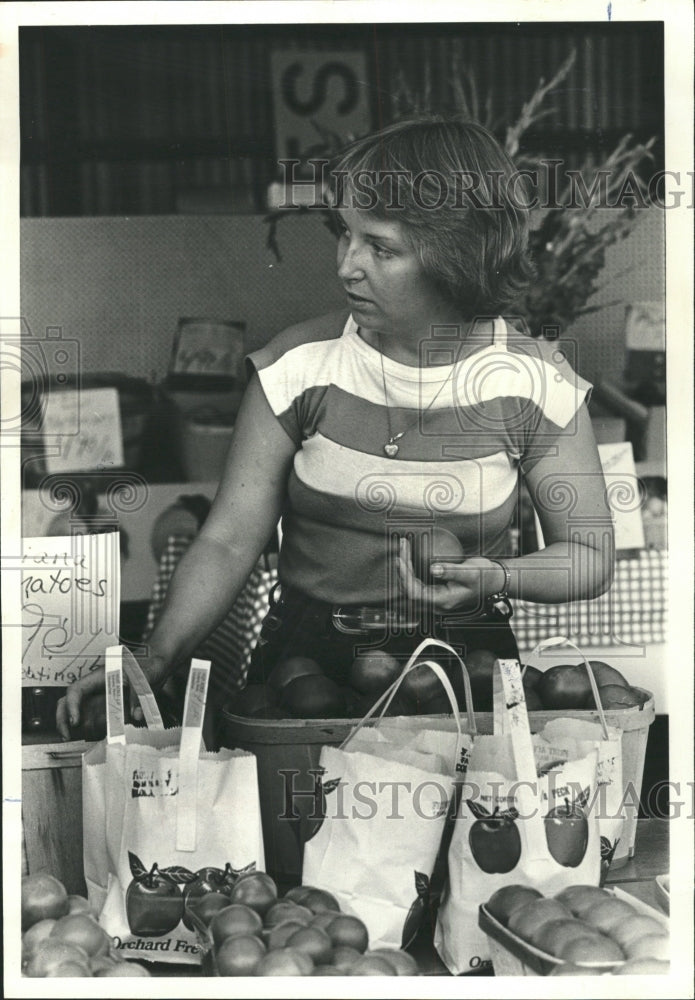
(460, 586)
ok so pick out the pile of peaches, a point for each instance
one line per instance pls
(299, 688)
(252, 932)
(585, 929)
(61, 936)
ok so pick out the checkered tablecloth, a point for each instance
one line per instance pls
(633, 611)
(230, 646)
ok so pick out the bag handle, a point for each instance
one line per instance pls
(561, 640)
(191, 731)
(387, 697)
(189, 754)
(390, 692)
(470, 708)
(470, 713)
(510, 705)
(446, 683)
(118, 659)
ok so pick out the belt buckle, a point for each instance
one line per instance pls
(353, 621)
(349, 621)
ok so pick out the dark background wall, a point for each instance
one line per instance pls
(129, 120)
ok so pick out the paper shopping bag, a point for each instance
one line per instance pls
(180, 821)
(515, 824)
(94, 792)
(570, 739)
(567, 739)
(384, 810)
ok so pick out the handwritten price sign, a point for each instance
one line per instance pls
(87, 424)
(70, 606)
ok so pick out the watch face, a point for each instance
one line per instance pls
(500, 606)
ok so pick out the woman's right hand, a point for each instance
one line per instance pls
(80, 704)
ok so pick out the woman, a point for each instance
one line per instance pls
(420, 408)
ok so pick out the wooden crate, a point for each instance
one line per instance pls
(52, 811)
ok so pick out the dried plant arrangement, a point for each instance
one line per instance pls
(593, 207)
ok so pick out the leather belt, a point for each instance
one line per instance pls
(355, 619)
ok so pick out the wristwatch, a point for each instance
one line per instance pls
(498, 604)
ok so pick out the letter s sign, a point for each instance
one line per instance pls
(319, 92)
(314, 91)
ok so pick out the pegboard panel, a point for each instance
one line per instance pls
(119, 286)
(634, 272)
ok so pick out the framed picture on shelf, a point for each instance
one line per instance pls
(208, 348)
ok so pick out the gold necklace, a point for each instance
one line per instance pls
(391, 449)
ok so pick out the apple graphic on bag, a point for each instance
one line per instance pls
(154, 901)
(209, 880)
(494, 838)
(567, 833)
(307, 826)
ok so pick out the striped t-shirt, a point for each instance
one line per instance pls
(471, 427)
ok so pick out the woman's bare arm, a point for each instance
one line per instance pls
(245, 512)
(569, 493)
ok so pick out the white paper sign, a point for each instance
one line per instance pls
(623, 493)
(70, 606)
(87, 425)
(645, 328)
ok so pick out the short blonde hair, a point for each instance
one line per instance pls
(456, 191)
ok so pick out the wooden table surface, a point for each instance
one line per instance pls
(636, 876)
(651, 858)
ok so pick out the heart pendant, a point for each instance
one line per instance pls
(391, 449)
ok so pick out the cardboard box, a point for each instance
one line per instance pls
(511, 956)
